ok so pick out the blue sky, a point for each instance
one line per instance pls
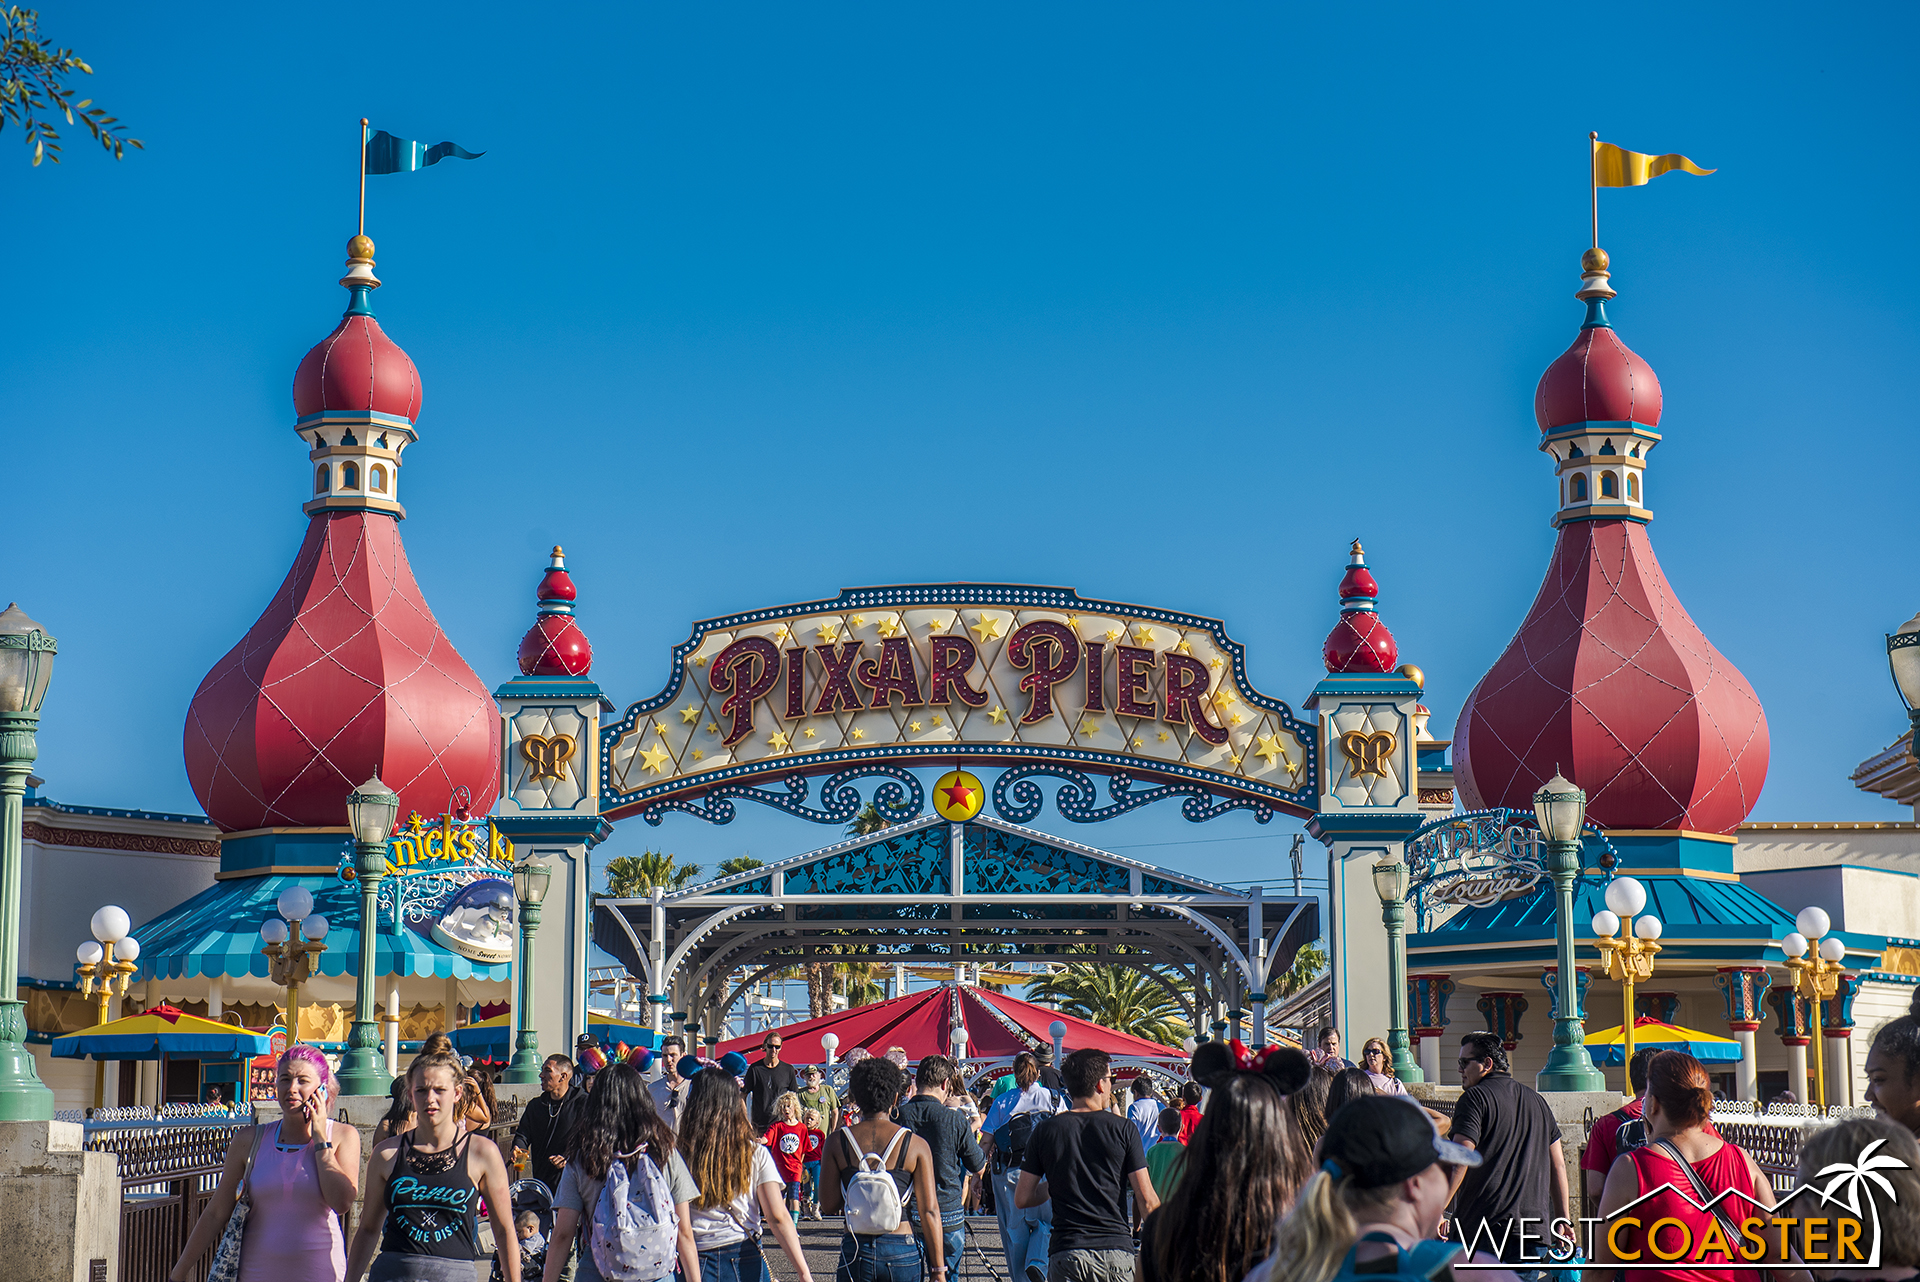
(748, 304)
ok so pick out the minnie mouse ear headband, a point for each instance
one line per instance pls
(1286, 1067)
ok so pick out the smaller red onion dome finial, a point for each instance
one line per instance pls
(555, 646)
(1360, 642)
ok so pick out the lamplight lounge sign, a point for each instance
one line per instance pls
(937, 674)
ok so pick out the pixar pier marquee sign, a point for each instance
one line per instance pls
(1033, 678)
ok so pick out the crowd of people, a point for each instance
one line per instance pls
(1269, 1166)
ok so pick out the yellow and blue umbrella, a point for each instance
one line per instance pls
(1608, 1046)
(163, 1032)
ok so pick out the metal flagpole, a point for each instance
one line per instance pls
(1592, 179)
(363, 181)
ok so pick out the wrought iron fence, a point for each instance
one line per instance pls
(169, 1168)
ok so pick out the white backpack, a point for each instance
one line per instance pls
(873, 1203)
(636, 1233)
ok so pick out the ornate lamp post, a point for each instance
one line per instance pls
(1627, 945)
(830, 1042)
(1816, 971)
(26, 667)
(294, 939)
(1903, 656)
(106, 962)
(1390, 883)
(371, 810)
(530, 878)
(1560, 809)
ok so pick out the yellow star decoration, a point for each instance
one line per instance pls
(1089, 729)
(1237, 719)
(1268, 747)
(890, 627)
(998, 715)
(858, 733)
(1073, 621)
(1136, 743)
(1113, 634)
(689, 715)
(859, 620)
(712, 729)
(1215, 662)
(1143, 636)
(1164, 736)
(935, 625)
(829, 632)
(1234, 758)
(808, 732)
(779, 741)
(655, 759)
(701, 756)
(780, 633)
(1223, 698)
(987, 628)
(660, 728)
(939, 721)
(1185, 647)
(914, 726)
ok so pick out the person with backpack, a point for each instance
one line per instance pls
(1618, 1131)
(1084, 1161)
(868, 1172)
(624, 1191)
(1371, 1210)
(1026, 1233)
(740, 1189)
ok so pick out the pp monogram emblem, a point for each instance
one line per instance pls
(549, 756)
(1367, 754)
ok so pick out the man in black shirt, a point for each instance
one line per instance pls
(767, 1081)
(955, 1152)
(1049, 1075)
(1507, 1205)
(547, 1122)
(1084, 1160)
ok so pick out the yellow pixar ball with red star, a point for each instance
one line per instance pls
(958, 796)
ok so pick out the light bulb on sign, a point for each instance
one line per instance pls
(1605, 924)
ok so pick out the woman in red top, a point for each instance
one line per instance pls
(1680, 1148)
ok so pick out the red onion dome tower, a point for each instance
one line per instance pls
(555, 646)
(1608, 678)
(346, 673)
(1360, 641)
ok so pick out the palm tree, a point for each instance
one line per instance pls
(1118, 998)
(739, 863)
(635, 876)
(869, 820)
(860, 982)
(1307, 965)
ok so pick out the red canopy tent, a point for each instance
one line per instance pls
(998, 1027)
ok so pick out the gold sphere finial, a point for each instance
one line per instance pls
(557, 551)
(1356, 549)
(360, 247)
(1413, 673)
(1594, 260)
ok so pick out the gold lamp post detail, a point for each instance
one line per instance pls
(1815, 963)
(293, 940)
(107, 962)
(1627, 945)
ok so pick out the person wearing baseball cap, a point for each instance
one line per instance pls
(1384, 1179)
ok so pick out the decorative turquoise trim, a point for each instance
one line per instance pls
(1597, 315)
(360, 295)
(1387, 825)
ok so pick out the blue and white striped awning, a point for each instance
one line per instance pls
(217, 932)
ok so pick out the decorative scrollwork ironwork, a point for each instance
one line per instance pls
(1017, 798)
(899, 798)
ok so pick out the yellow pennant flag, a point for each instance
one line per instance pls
(1617, 167)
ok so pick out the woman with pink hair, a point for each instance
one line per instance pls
(300, 1174)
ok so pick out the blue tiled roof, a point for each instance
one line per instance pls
(217, 932)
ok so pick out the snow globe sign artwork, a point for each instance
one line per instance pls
(449, 880)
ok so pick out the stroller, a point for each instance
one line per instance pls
(529, 1195)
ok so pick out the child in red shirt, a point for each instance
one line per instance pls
(816, 1141)
(787, 1138)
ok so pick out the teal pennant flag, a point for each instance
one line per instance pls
(389, 155)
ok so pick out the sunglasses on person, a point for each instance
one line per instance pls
(1373, 1052)
(1464, 1062)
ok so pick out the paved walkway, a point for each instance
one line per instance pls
(983, 1261)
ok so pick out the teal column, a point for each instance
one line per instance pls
(1393, 915)
(1569, 1067)
(363, 1070)
(525, 1065)
(23, 1096)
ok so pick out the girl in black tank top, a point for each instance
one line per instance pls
(431, 1205)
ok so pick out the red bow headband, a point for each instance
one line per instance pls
(1251, 1061)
